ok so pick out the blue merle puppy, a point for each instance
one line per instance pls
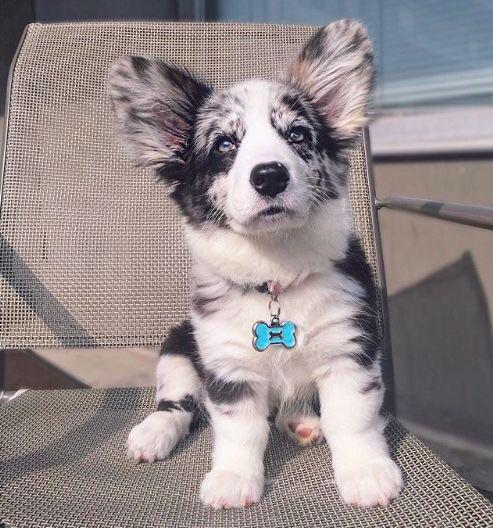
(259, 173)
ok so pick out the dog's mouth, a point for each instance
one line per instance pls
(274, 217)
(273, 210)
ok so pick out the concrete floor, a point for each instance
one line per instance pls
(104, 367)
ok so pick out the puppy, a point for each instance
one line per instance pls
(259, 173)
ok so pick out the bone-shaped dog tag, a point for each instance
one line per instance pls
(276, 333)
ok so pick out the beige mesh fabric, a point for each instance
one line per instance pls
(93, 254)
(92, 251)
(68, 470)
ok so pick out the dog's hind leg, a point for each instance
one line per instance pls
(301, 425)
(177, 397)
(302, 429)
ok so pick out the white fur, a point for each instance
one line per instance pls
(262, 144)
(364, 472)
(286, 256)
(321, 301)
(237, 477)
(298, 250)
(175, 378)
(226, 489)
(155, 437)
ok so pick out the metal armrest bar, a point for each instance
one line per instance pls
(473, 215)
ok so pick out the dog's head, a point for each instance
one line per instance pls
(261, 155)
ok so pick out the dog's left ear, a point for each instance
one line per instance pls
(335, 70)
(155, 106)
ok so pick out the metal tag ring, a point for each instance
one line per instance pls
(277, 313)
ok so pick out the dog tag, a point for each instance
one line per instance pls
(275, 333)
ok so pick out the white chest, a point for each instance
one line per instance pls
(319, 308)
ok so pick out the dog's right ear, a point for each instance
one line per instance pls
(155, 105)
(335, 70)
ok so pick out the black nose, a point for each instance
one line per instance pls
(269, 179)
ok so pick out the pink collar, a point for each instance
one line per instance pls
(275, 288)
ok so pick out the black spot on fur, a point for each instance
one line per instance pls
(366, 322)
(204, 304)
(319, 140)
(356, 44)
(195, 94)
(314, 48)
(220, 116)
(373, 385)
(181, 342)
(296, 102)
(202, 167)
(140, 65)
(355, 265)
(186, 404)
(189, 404)
(325, 187)
(262, 288)
(168, 405)
(221, 391)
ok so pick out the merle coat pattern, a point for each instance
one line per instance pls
(259, 174)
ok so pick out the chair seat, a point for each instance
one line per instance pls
(64, 465)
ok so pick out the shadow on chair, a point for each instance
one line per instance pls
(443, 366)
(39, 299)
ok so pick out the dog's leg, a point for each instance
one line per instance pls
(350, 400)
(177, 394)
(239, 418)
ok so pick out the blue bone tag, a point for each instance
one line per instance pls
(273, 334)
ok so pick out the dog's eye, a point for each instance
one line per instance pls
(296, 135)
(224, 145)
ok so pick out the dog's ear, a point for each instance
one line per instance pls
(155, 105)
(335, 70)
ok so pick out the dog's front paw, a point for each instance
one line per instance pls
(226, 489)
(372, 484)
(155, 437)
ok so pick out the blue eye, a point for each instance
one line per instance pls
(225, 145)
(296, 135)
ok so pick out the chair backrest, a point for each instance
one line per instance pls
(92, 251)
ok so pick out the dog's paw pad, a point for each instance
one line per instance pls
(372, 484)
(305, 432)
(154, 438)
(226, 489)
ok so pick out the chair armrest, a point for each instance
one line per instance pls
(473, 215)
